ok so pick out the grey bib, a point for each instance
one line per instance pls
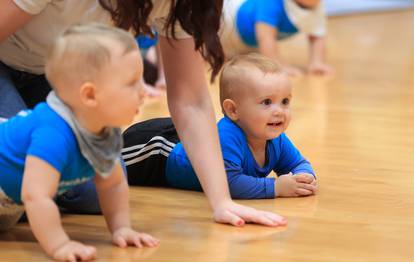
(101, 151)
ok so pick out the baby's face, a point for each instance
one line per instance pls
(120, 88)
(264, 106)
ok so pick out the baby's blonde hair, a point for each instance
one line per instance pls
(235, 73)
(80, 52)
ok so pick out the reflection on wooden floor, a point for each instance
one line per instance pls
(356, 129)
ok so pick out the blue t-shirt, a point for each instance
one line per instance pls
(44, 134)
(245, 177)
(146, 41)
(271, 12)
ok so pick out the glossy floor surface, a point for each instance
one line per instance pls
(357, 131)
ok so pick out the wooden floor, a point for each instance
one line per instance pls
(356, 129)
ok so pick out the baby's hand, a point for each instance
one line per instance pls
(294, 186)
(319, 68)
(125, 236)
(307, 178)
(73, 251)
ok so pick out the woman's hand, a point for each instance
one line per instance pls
(237, 215)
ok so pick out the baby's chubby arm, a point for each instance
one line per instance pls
(40, 182)
(113, 198)
(266, 36)
(317, 64)
(298, 178)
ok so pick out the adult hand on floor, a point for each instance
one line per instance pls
(237, 215)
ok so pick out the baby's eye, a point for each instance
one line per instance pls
(266, 102)
(286, 101)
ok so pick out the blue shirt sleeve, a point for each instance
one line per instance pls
(268, 11)
(290, 160)
(50, 146)
(243, 186)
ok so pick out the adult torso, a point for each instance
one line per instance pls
(26, 49)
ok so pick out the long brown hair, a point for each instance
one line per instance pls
(199, 18)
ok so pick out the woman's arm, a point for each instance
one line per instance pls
(11, 18)
(193, 115)
(192, 112)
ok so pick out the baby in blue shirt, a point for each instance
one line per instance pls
(96, 74)
(258, 25)
(255, 96)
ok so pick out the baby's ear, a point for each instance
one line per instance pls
(87, 94)
(230, 109)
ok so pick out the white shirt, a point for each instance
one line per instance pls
(26, 49)
(309, 21)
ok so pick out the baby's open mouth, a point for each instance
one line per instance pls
(275, 123)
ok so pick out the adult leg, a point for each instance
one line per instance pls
(19, 90)
(146, 149)
(10, 100)
(32, 88)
